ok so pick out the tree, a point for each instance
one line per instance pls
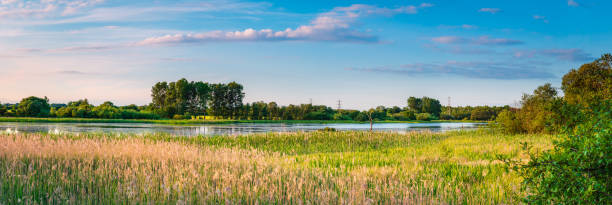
(369, 114)
(34, 107)
(414, 104)
(430, 105)
(2, 109)
(592, 82)
(180, 98)
(234, 98)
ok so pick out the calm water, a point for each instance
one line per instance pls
(221, 129)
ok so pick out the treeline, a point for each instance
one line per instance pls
(183, 99)
(196, 99)
(40, 107)
(578, 170)
(479, 113)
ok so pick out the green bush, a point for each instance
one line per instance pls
(577, 170)
(508, 123)
(424, 116)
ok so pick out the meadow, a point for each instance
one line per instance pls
(349, 167)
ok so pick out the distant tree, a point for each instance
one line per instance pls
(592, 82)
(107, 110)
(537, 113)
(414, 104)
(430, 105)
(3, 109)
(234, 98)
(274, 110)
(369, 114)
(180, 98)
(159, 94)
(34, 107)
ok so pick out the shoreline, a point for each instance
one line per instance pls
(195, 122)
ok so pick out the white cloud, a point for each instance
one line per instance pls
(335, 25)
(490, 10)
(541, 18)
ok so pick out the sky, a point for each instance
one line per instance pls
(363, 53)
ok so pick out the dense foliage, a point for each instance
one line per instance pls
(577, 170)
(34, 107)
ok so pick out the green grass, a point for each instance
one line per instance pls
(457, 167)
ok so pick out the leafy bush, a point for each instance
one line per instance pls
(508, 122)
(424, 116)
(327, 129)
(577, 170)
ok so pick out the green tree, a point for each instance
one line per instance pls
(430, 105)
(592, 82)
(34, 107)
(414, 104)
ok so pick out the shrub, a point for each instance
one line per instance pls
(327, 129)
(508, 123)
(424, 117)
(577, 170)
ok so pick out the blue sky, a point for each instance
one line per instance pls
(365, 53)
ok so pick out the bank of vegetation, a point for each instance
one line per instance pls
(578, 169)
(184, 100)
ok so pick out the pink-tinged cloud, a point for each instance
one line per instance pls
(43, 8)
(335, 25)
(483, 40)
(572, 3)
(490, 10)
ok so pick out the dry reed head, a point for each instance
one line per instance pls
(141, 170)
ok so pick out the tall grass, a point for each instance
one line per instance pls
(293, 168)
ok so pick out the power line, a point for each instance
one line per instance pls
(339, 104)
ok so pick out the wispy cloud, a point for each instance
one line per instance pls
(43, 8)
(490, 10)
(463, 26)
(540, 18)
(572, 3)
(335, 25)
(483, 40)
(574, 54)
(71, 72)
(482, 70)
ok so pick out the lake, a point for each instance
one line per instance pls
(221, 129)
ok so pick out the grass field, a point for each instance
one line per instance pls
(295, 168)
(179, 122)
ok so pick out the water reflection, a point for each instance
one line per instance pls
(225, 129)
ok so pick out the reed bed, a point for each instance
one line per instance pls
(271, 168)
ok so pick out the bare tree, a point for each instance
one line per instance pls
(369, 113)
